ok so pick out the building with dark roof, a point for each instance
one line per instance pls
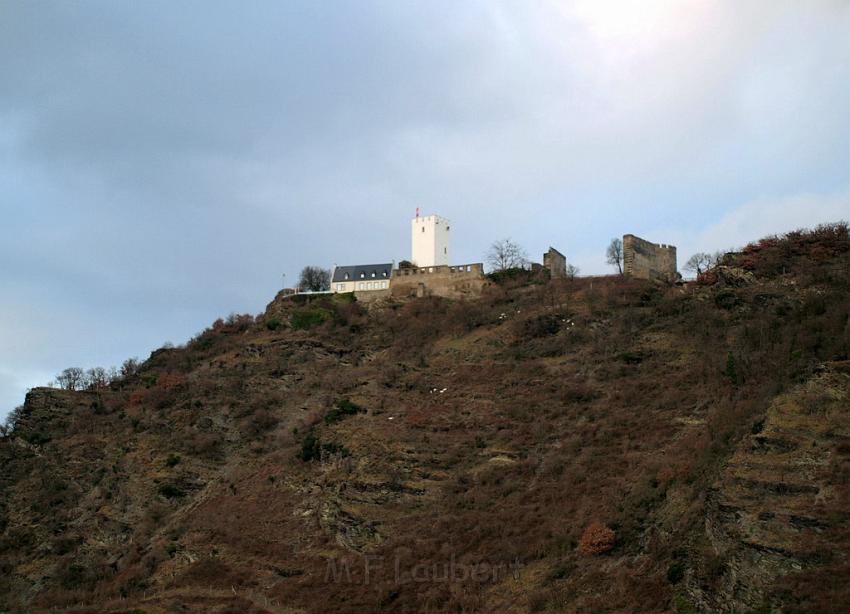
(362, 277)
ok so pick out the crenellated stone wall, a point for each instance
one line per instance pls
(645, 260)
(458, 281)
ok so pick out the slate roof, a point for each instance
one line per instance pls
(381, 271)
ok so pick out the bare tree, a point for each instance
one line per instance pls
(314, 279)
(614, 254)
(96, 378)
(572, 271)
(11, 420)
(699, 263)
(130, 367)
(505, 254)
(71, 378)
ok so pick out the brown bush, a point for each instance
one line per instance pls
(167, 381)
(596, 539)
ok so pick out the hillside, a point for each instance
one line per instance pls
(435, 455)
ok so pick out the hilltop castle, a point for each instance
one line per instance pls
(427, 273)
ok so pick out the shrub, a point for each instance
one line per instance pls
(311, 448)
(167, 381)
(682, 605)
(262, 421)
(727, 299)
(170, 491)
(172, 460)
(675, 572)
(511, 274)
(344, 297)
(309, 317)
(731, 371)
(273, 324)
(36, 439)
(341, 410)
(632, 358)
(335, 448)
(596, 539)
(237, 323)
(542, 326)
(74, 577)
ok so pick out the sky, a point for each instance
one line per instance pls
(166, 163)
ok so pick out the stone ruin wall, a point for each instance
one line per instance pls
(556, 262)
(645, 260)
(461, 281)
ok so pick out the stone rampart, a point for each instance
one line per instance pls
(645, 260)
(459, 281)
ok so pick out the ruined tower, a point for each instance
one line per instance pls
(645, 260)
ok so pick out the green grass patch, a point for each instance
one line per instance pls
(309, 317)
(341, 410)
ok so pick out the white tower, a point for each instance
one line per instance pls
(430, 241)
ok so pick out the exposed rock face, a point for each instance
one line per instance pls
(777, 506)
(733, 277)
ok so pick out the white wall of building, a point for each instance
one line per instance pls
(360, 285)
(430, 241)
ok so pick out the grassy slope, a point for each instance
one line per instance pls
(495, 431)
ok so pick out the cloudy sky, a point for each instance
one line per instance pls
(164, 163)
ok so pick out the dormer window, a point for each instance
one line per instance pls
(362, 275)
(373, 273)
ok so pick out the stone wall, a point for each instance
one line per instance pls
(645, 260)
(556, 262)
(460, 281)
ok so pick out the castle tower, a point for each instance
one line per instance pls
(430, 241)
(645, 260)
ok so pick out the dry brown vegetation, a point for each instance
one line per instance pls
(326, 457)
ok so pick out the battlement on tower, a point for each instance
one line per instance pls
(645, 260)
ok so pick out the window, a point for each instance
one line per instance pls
(362, 286)
(445, 250)
(346, 275)
(373, 273)
(383, 284)
(340, 287)
(423, 229)
(448, 228)
(362, 275)
(384, 273)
